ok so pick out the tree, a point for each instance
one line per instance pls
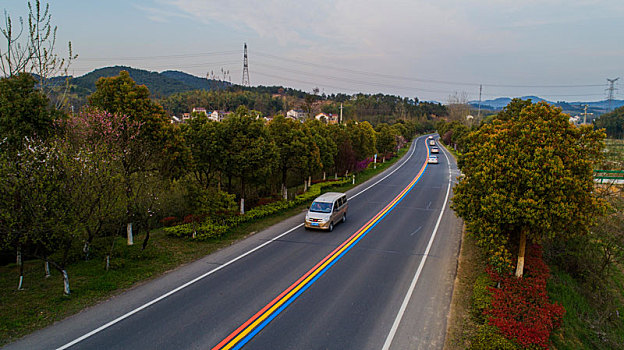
(24, 111)
(251, 154)
(458, 107)
(35, 53)
(292, 149)
(35, 208)
(203, 139)
(612, 122)
(148, 141)
(528, 176)
(327, 146)
(363, 139)
(386, 139)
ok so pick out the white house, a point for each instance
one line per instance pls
(327, 118)
(297, 114)
(200, 111)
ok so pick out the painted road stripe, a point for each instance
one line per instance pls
(262, 318)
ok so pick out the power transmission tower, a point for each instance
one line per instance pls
(245, 69)
(611, 89)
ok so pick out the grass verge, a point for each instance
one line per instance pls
(461, 326)
(587, 323)
(42, 302)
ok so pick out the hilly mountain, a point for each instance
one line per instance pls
(160, 84)
(572, 108)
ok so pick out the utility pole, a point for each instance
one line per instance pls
(245, 69)
(479, 112)
(585, 114)
(611, 90)
(340, 119)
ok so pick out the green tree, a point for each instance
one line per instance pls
(328, 149)
(612, 122)
(386, 139)
(363, 139)
(250, 153)
(149, 141)
(24, 111)
(287, 134)
(528, 176)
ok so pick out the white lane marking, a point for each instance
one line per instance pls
(418, 229)
(154, 301)
(410, 291)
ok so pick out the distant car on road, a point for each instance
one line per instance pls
(435, 150)
(432, 142)
(430, 137)
(433, 159)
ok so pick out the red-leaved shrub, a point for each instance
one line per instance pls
(169, 221)
(521, 308)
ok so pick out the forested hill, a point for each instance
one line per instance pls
(160, 84)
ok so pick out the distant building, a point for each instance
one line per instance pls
(297, 114)
(327, 118)
(200, 111)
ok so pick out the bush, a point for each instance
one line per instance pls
(169, 221)
(481, 297)
(489, 338)
(520, 308)
(208, 229)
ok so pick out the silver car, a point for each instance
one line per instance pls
(327, 210)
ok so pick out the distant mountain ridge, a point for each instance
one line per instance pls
(573, 108)
(160, 84)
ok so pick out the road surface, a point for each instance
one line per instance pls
(382, 280)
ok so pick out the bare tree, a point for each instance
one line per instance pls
(16, 56)
(35, 53)
(458, 107)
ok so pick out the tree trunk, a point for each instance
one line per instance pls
(305, 186)
(65, 282)
(324, 178)
(309, 181)
(129, 233)
(521, 253)
(242, 201)
(85, 249)
(284, 191)
(20, 264)
(147, 237)
(46, 267)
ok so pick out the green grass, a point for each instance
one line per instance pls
(42, 302)
(584, 323)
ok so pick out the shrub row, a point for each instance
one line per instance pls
(208, 229)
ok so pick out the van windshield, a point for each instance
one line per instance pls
(321, 207)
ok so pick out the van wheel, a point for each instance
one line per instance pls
(344, 218)
(331, 226)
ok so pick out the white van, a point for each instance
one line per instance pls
(327, 210)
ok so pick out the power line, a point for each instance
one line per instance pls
(160, 56)
(446, 82)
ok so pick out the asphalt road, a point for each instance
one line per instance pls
(380, 282)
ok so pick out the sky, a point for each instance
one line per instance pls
(561, 50)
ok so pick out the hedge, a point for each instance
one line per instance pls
(208, 229)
